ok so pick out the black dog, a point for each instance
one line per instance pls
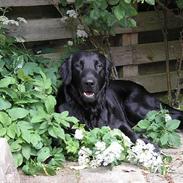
(89, 95)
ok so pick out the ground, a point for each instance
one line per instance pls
(124, 173)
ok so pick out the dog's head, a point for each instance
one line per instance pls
(88, 73)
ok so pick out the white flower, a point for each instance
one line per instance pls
(81, 34)
(78, 134)
(167, 117)
(21, 19)
(4, 20)
(20, 39)
(13, 22)
(72, 13)
(64, 18)
(84, 156)
(70, 43)
(100, 146)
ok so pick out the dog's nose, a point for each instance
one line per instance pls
(89, 82)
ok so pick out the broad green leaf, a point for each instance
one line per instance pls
(4, 104)
(94, 14)
(56, 132)
(143, 124)
(5, 82)
(18, 159)
(172, 124)
(127, 1)
(36, 141)
(27, 135)
(11, 130)
(179, 3)
(119, 12)
(2, 132)
(26, 151)
(64, 114)
(50, 103)
(5, 119)
(164, 139)
(59, 120)
(174, 139)
(15, 146)
(17, 113)
(30, 67)
(43, 154)
(72, 119)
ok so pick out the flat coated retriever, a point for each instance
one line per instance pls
(89, 95)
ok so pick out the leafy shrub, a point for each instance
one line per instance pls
(159, 127)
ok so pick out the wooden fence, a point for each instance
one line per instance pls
(140, 47)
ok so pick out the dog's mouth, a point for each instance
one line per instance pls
(89, 94)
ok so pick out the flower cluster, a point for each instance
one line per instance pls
(145, 155)
(5, 21)
(117, 147)
(100, 155)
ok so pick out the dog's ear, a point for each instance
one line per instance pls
(66, 71)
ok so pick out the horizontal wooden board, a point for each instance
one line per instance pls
(138, 54)
(15, 3)
(41, 30)
(155, 82)
(53, 28)
(145, 53)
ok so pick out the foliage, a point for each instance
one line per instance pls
(27, 105)
(159, 127)
(89, 19)
(107, 147)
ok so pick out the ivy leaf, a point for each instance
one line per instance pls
(4, 104)
(172, 124)
(17, 113)
(43, 154)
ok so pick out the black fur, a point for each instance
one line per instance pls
(89, 95)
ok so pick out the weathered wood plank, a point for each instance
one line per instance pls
(144, 53)
(154, 83)
(16, 3)
(44, 28)
(41, 29)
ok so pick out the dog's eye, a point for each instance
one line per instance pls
(79, 65)
(99, 65)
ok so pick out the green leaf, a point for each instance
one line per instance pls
(15, 146)
(164, 139)
(4, 104)
(43, 154)
(172, 124)
(56, 132)
(5, 82)
(72, 119)
(94, 14)
(143, 124)
(119, 12)
(26, 135)
(36, 141)
(174, 139)
(50, 103)
(26, 151)
(11, 131)
(18, 158)
(151, 2)
(17, 113)
(59, 120)
(5, 119)
(2, 132)
(79, 3)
